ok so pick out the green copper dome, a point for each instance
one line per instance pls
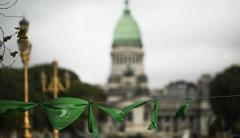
(127, 32)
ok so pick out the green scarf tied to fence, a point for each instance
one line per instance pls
(154, 116)
(8, 106)
(61, 112)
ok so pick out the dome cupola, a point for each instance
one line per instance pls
(127, 32)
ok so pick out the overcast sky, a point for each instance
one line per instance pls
(182, 38)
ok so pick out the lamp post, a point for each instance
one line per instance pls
(55, 85)
(25, 49)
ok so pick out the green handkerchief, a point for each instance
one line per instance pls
(63, 111)
(9, 106)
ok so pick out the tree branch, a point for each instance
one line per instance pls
(4, 3)
(9, 15)
(3, 47)
(9, 6)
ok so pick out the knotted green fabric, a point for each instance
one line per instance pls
(129, 108)
(183, 109)
(154, 116)
(113, 112)
(63, 111)
(117, 114)
(9, 106)
(92, 125)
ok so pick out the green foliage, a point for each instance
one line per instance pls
(226, 109)
(11, 83)
(22, 33)
(13, 54)
(6, 38)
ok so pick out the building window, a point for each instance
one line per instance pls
(140, 59)
(183, 118)
(118, 60)
(130, 116)
(121, 127)
(167, 129)
(175, 127)
(146, 115)
(127, 84)
(159, 118)
(125, 60)
(114, 60)
(191, 118)
(167, 118)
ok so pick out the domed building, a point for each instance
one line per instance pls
(127, 81)
(127, 73)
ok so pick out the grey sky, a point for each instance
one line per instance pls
(182, 38)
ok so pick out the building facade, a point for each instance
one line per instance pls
(127, 78)
(199, 117)
(128, 83)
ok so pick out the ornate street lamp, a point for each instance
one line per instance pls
(55, 86)
(25, 49)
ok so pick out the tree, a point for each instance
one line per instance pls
(4, 38)
(227, 110)
(11, 88)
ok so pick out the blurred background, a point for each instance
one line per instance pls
(122, 51)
